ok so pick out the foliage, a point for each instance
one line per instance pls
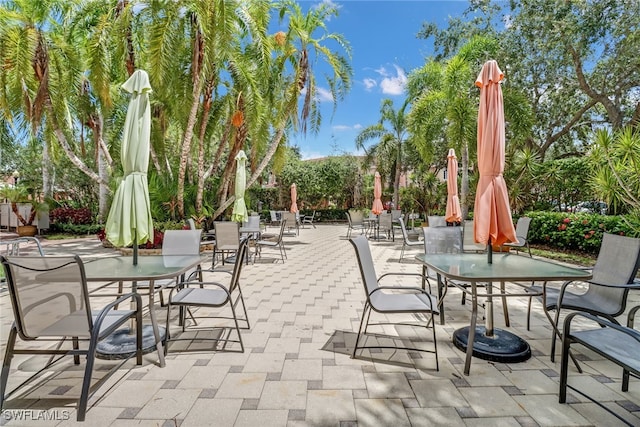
(75, 229)
(578, 231)
(71, 215)
(616, 161)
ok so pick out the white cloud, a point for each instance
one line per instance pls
(324, 95)
(357, 126)
(369, 84)
(345, 128)
(393, 85)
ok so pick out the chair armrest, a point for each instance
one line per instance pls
(399, 274)
(600, 321)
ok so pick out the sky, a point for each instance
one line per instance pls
(384, 50)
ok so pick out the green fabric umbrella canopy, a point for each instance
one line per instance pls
(129, 219)
(239, 213)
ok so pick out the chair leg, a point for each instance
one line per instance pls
(402, 252)
(364, 314)
(6, 364)
(86, 382)
(564, 368)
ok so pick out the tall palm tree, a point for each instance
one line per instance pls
(392, 134)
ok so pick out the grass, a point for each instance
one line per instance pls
(579, 258)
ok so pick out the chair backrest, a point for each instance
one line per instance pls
(357, 217)
(522, 228)
(365, 262)
(405, 235)
(290, 218)
(253, 222)
(442, 240)
(283, 225)
(191, 223)
(274, 216)
(46, 290)
(436, 221)
(468, 240)
(181, 242)
(237, 268)
(349, 219)
(227, 235)
(385, 221)
(618, 262)
(396, 213)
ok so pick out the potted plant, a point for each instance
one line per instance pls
(20, 195)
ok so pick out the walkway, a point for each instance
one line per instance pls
(296, 370)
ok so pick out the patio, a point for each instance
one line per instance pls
(296, 369)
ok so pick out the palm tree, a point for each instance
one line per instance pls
(389, 150)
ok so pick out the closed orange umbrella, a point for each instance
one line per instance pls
(492, 222)
(377, 207)
(453, 213)
(294, 199)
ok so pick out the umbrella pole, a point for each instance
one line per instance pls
(135, 247)
(490, 252)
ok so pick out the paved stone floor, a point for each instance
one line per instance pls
(296, 369)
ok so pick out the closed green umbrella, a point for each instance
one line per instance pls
(129, 220)
(239, 213)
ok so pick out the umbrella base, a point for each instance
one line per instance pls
(122, 344)
(503, 346)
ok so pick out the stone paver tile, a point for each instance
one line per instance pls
(204, 377)
(343, 377)
(262, 418)
(168, 404)
(132, 394)
(483, 374)
(388, 385)
(532, 382)
(492, 422)
(492, 402)
(282, 345)
(599, 417)
(242, 385)
(428, 417)
(329, 407)
(381, 412)
(437, 393)
(264, 362)
(174, 370)
(218, 412)
(98, 416)
(546, 410)
(284, 395)
(308, 369)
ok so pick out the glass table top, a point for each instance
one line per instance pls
(149, 267)
(474, 267)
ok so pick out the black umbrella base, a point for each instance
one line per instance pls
(503, 346)
(122, 344)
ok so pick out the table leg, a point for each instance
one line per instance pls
(154, 325)
(472, 327)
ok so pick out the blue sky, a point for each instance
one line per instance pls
(382, 35)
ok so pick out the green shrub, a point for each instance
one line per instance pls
(577, 231)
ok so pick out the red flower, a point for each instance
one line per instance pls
(566, 220)
(585, 222)
(562, 227)
(101, 234)
(588, 236)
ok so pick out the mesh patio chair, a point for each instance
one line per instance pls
(385, 225)
(276, 243)
(205, 295)
(522, 231)
(274, 220)
(51, 303)
(227, 240)
(391, 300)
(176, 242)
(356, 222)
(615, 343)
(308, 219)
(406, 240)
(20, 246)
(468, 240)
(292, 222)
(617, 264)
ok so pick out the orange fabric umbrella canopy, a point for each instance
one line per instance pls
(453, 213)
(492, 214)
(377, 207)
(294, 199)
